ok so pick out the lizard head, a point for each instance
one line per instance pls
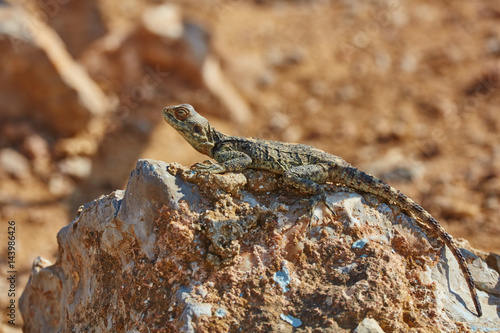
(195, 129)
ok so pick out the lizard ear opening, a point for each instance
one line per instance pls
(197, 129)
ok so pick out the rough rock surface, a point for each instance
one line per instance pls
(180, 251)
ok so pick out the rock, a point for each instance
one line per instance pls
(291, 320)
(42, 84)
(14, 164)
(181, 251)
(165, 51)
(46, 283)
(60, 185)
(77, 166)
(368, 325)
(78, 23)
(493, 261)
(197, 56)
(394, 167)
(283, 59)
(37, 149)
(192, 310)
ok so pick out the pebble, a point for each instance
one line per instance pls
(60, 185)
(14, 163)
(220, 312)
(368, 325)
(295, 322)
(283, 278)
(359, 244)
(78, 167)
(283, 59)
(164, 20)
(38, 150)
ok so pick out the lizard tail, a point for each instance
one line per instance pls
(359, 180)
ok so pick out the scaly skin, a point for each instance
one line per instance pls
(302, 167)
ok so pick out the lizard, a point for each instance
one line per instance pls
(303, 167)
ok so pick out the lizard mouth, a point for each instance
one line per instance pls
(167, 112)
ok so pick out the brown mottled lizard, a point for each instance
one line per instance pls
(303, 167)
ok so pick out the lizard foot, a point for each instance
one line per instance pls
(208, 166)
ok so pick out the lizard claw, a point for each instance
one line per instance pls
(210, 168)
(204, 164)
(199, 166)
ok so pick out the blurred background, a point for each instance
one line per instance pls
(407, 90)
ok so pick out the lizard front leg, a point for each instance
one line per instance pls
(228, 161)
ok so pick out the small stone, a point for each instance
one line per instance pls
(266, 79)
(368, 325)
(283, 59)
(283, 278)
(14, 164)
(38, 150)
(409, 63)
(347, 269)
(60, 185)
(164, 20)
(78, 167)
(359, 244)
(220, 312)
(383, 61)
(398, 174)
(201, 291)
(347, 93)
(295, 322)
(493, 45)
(36, 147)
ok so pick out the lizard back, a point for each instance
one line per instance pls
(277, 156)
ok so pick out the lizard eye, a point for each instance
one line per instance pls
(181, 114)
(197, 129)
